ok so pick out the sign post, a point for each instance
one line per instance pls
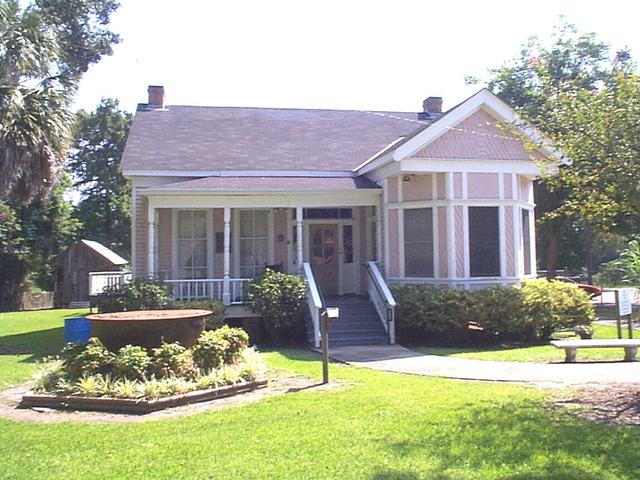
(624, 307)
(331, 313)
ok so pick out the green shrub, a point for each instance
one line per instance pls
(552, 306)
(139, 294)
(215, 320)
(89, 359)
(209, 351)
(132, 362)
(236, 340)
(500, 312)
(172, 360)
(625, 268)
(425, 312)
(280, 299)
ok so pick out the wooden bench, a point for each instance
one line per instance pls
(570, 347)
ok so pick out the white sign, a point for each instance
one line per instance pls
(624, 297)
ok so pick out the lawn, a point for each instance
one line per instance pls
(536, 353)
(377, 426)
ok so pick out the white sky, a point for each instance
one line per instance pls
(345, 54)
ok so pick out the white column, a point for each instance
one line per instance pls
(451, 232)
(226, 291)
(502, 241)
(151, 242)
(299, 237)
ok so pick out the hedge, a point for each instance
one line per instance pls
(532, 312)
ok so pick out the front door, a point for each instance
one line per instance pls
(323, 251)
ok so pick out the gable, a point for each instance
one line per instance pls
(477, 137)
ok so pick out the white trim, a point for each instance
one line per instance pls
(210, 243)
(466, 256)
(401, 267)
(478, 202)
(516, 241)
(451, 233)
(532, 241)
(226, 285)
(299, 237)
(151, 240)
(436, 242)
(385, 201)
(239, 173)
(425, 165)
(502, 240)
(134, 226)
(174, 243)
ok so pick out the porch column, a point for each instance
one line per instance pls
(451, 231)
(226, 284)
(151, 242)
(299, 236)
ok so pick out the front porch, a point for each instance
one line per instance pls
(211, 246)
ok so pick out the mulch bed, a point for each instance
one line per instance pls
(279, 384)
(609, 404)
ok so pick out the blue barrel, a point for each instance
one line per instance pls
(77, 330)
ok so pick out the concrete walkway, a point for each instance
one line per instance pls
(394, 358)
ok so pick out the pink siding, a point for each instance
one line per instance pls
(478, 138)
(140, 225)
(394, 243)
(457, 185)
(417, 188)
(280, 238)
(218, 258)
(524, 188)
(509, 242)
(459, 241)
(442, 241)
(483, 185)
(392, 189)
(441, 186)
(164, 242)
(508, 186)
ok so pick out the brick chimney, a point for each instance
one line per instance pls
(156, 96)
(432, 105)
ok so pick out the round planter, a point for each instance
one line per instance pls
(148, 328)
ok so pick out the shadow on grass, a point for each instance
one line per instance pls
(37, 344)
(523, 441)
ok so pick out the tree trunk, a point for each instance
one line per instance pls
(553, 253)
(588, 249)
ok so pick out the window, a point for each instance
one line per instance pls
(347, 243)
(192, 243)
(254, 240)
(526, 241)
(418, 242)
(484, 241)
(325, 213)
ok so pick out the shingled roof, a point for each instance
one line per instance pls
(217, 139)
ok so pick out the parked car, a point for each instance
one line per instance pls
(592, 290)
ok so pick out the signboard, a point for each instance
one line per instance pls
(624, 296)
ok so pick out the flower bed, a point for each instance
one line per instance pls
(92, 377)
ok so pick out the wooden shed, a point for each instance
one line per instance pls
(72, 270)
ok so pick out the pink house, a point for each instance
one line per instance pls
(354, 200)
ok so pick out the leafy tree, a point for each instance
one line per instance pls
(44, 49)
(540, 84)
(105, 207)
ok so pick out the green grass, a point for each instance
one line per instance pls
(536, 353)
(376, 426)
(29, 336)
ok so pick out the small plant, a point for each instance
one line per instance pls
(48, 378)
(209, 351)
(125, 388)
(236, 340)
(172, 359)
(89, 359)
(131, 362)
(89, 385)
(136, 295)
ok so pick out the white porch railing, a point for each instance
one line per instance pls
(314, 300)
(382, 299)
(98, 281)
(208, 288)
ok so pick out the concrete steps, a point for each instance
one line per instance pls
(358, 324)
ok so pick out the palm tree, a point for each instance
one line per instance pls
(35, 97)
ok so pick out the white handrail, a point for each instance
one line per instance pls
(98, 281)
(314, 301)
(212, 288)
(382, 299)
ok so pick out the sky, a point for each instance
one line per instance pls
(347, 54)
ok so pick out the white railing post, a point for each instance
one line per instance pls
(151, 242)
(382, 300)
(299, 237)
(226, 294)
(314, 301)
